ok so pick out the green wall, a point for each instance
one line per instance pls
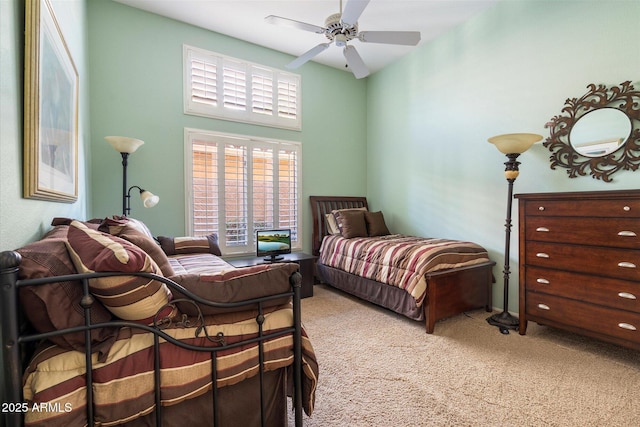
(136, 90)
(25, 220)
(412, 137)
(510, 69)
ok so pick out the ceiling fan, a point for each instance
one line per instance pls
(341, 28)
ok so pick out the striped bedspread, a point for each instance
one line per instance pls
(124, 383)
(399, 260)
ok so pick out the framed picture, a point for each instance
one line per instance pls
(51, 109)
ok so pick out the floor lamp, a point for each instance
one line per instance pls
(125, 146)
(512, 144)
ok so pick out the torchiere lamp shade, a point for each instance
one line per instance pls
(514, 142)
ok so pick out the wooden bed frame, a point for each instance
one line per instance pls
(18, 340)
(449, 292)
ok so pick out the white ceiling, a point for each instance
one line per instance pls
(244, 19)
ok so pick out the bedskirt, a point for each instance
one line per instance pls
(387, 296)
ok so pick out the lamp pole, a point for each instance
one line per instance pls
(125, 162)
(505, 320)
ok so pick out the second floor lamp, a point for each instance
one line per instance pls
(125, 146)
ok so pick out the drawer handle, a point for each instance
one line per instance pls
(545, 281)
(626, 233)
(543, 255)
(626, 295)
(541, 208)
(542, 229)
(625, 264)
(627, 326)
(626, 209)
(546, 307)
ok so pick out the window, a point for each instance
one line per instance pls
(226, 88)
(239, 184)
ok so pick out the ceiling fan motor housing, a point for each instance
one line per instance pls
(338, 31)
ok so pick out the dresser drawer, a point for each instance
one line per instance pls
(610, 262)
(614, 293)
(615, 232)
(603, 320)
(599, 208)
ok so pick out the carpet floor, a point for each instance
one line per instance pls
(381, 369)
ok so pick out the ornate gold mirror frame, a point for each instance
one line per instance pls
(625, 155)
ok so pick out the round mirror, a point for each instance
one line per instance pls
(600, 132)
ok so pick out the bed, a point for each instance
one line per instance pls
(114, 371)
(440, 287)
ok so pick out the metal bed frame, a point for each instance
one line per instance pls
(16, 338)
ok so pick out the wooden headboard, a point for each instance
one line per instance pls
(322, 205)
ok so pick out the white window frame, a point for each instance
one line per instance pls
(192, 136)
(284, 115)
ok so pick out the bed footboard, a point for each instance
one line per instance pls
(451, 292)
(15, 339)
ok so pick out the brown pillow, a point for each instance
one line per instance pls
(351, 224)
(132, 298)
(235, 285)
(375, 224)
(56, 306)
(131, 232)
(332, 225)
(190, 245)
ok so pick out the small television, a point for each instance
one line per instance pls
(273, 243)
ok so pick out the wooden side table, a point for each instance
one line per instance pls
(305, 261)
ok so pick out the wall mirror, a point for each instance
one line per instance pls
(598, 133)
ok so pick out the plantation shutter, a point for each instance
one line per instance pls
(227, 88)
(235, 194)
(261, 91)
(239, 185)
(204, 80)
(205, 188)
(234, 81)
(288, 191)
(263, 189)
(287, 98)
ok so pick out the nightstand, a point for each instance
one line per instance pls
(305, 261)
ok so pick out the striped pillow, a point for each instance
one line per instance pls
(190, 245)
(132, 298)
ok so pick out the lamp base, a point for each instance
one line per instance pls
(504, 321)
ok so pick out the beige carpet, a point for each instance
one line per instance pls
(381, 369)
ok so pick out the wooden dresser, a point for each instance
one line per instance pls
(580, 263)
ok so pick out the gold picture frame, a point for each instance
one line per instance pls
(51, 109)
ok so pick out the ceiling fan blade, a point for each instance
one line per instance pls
(286, 22)
(355, 62)
(352, 11)
(307, 55)
(409, 38)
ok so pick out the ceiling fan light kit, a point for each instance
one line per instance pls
(341, 28)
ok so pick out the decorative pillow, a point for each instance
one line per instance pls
(56, 306)
(136, 223)
(131, 232)
(190, 245)
(351, 223)
(238, 284)
(375, 224)
(132, 298)
(332, 225)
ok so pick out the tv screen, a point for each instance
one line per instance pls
(272, 243)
